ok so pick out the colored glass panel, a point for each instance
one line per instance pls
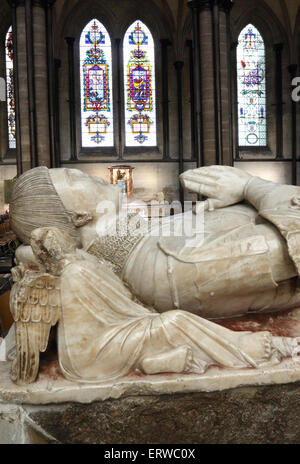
(139, 86)
(10, 89)
(96, 86)
(251, 88)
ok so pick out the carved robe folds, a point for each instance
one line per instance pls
(103, 334)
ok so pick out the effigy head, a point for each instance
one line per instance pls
(35, 203)
(62, 198)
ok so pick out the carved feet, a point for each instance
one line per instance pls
(176, 361)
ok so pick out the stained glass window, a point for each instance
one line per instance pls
(251, 88)
(96, 86)
(10, 91)
(139, 86)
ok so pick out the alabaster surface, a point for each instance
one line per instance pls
(132, 301)
(52, 387)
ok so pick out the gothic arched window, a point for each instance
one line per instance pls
(96, 86)
(251, 88)
(10, 90)
(139, 86)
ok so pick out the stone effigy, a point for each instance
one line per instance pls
(146, 303)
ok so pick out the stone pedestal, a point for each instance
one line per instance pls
(222, 405)
(248, 415)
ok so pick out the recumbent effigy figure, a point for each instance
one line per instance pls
(147, 301)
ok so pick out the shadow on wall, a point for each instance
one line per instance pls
(273, 171)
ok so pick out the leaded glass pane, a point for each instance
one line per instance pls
(251, 88)
(139, 86)
(10, 90)
(96, 86)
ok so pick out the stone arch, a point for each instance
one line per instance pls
(80, 13)
(263, 18)
(116, 18)
(297, 37)
(272, 31)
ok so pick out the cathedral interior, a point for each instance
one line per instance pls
(215, 88)
(139, 91)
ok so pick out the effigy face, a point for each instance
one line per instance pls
(108, 333)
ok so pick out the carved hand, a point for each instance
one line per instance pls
(222, 185)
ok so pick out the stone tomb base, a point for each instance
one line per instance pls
(220, 406)
(263, 414)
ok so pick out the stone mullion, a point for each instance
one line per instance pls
(119, 102)
(234, 102)
(72, 112)
(165, 43)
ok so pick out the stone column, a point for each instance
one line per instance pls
(22, 91)
(212, 80)
(196, 82)
(57, 65)
(292, 69)
(72, 110)
(41, 84)
(279, 103)
(51, 83)
(165, 43)
(32, 88)
(119, 93)
(226, 82)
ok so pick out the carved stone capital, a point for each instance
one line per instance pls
(165, 42)
(50, 3)
(200, 5)
(292, 68)
(178, 65)
(70, 40)
(224, 5)
(16, 3)
(278, 47)
(40, 3)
